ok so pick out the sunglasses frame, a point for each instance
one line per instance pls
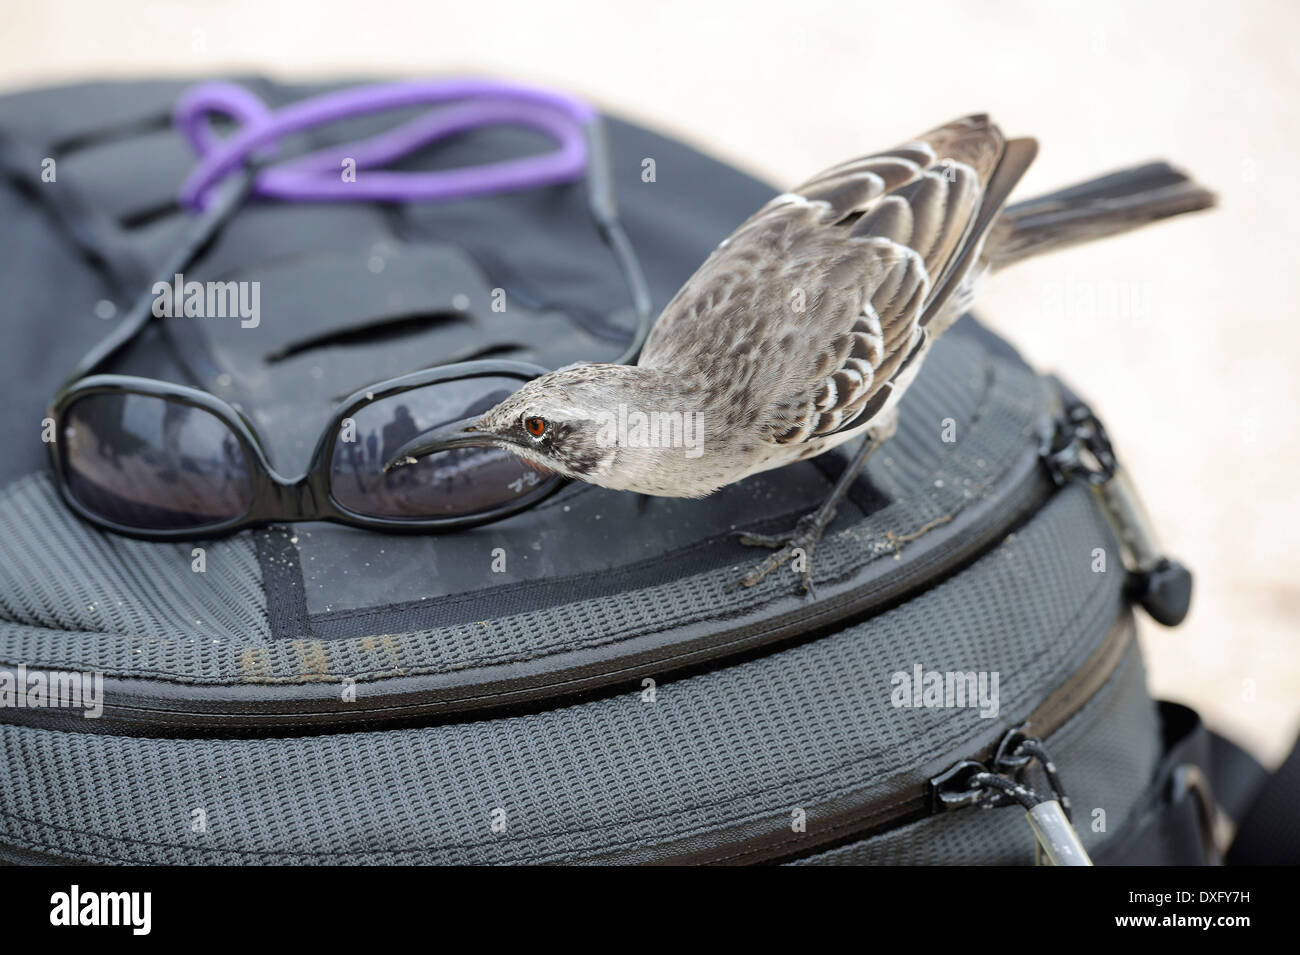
(275, 498)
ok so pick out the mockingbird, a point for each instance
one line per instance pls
(804, 328)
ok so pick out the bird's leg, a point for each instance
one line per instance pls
(803, 539)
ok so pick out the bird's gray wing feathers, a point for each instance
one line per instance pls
(820, 295)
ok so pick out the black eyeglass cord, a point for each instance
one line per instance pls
(604, 209)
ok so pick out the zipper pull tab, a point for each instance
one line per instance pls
(1162, 585)
(1054, 837)
(1080, 449)
(972, 783)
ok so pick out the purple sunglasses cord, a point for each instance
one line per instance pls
(317, 176)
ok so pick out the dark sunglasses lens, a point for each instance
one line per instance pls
(150, 463)
(455, 483)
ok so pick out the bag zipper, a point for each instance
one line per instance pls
(1002, 782)
(1080, 449)
(1077, 448)
(951, 790)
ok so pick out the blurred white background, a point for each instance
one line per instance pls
(1183, 336)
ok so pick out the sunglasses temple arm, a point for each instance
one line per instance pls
(199, 235)
(604, 209)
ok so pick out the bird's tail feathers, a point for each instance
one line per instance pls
(1015, 158)
(1100, 207)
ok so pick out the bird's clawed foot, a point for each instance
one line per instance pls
(796, 546)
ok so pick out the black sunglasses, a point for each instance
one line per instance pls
(161, 461)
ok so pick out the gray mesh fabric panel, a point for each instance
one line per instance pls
(1106, 754)
(794, 728)
(71, 596)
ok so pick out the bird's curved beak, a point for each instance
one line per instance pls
(454, 434)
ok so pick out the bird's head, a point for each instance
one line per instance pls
(565, 421)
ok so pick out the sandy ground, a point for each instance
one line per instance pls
(1184, 336)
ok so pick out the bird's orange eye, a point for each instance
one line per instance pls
(535, 426)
